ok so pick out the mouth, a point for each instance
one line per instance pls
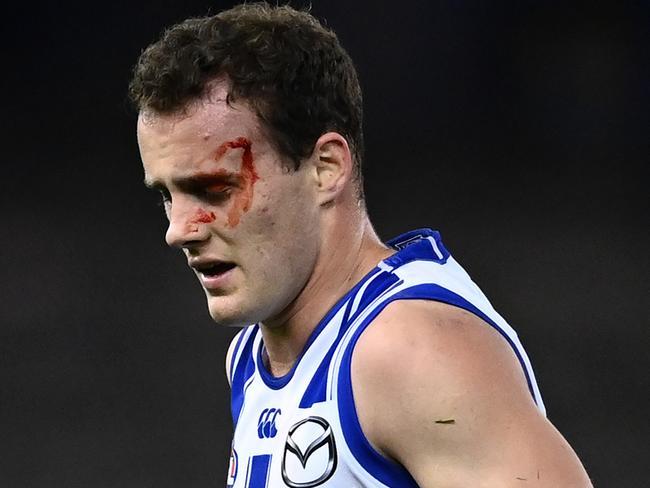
(213, 274)
(214, 269)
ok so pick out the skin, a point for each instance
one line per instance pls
(290, 266)
(290, 270)
(467, 417)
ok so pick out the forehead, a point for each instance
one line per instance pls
(186, 142)
(209, 117)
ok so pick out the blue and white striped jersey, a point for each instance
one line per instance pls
(301, 430)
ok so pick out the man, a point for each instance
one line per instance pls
(368, 364)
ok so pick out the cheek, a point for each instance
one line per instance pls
(265, 209)
(286, 228)
(279, 228)
(284, 200)
(270, 219)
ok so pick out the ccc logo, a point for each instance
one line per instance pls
(266, 428)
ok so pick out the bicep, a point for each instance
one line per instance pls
(489, 448)
(459, 411)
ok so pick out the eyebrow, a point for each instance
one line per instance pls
(194, 180)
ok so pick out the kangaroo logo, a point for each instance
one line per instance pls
(266, 428)
(309, 456)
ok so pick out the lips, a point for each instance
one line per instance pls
(214, 274)
(215, 269)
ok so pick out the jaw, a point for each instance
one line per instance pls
(224, 311)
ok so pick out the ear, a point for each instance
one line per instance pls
(332, 166)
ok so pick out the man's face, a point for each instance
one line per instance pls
(248, 226)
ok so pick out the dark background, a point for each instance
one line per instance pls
(518, 129)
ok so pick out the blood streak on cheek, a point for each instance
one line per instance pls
(244, 196)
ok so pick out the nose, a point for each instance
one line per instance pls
(184, 231)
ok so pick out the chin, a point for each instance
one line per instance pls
(228, 320)
(229, 314)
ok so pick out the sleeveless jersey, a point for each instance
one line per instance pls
(301, 430)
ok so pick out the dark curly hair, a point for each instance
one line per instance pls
(292, 72)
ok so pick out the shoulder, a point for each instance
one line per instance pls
(425, 341)
(436, 388)
(429, 354)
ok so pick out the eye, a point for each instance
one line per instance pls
(216, 192)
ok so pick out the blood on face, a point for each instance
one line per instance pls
(203, 217)
(247, 176)
(241, 184)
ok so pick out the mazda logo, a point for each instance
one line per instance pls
(311, 438)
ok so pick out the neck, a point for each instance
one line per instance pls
(337, 270)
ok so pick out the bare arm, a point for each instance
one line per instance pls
(455, 406)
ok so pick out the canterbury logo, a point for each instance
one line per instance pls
(402, 244)
(266, 428)
(306, 439)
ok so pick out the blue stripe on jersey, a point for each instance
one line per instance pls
(258, 474)
(385, 470)
(275, 383)
(244, 369)
(374, 289)
(241, 334)
(316, 391)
